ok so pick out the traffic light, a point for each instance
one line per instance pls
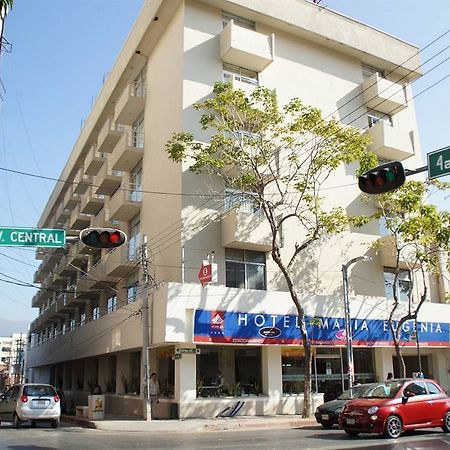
(381, 179)
(103, 237)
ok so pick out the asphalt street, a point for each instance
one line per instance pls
(70, 437)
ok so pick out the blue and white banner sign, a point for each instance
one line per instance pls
(248, 328)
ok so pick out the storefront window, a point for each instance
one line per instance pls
(329, 371)
(166, 371)
(228, 371)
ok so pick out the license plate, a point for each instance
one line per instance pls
(350, 421)
(325, 416)
(40, 402)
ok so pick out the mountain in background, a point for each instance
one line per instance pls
(8, 327)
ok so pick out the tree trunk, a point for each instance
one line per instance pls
(307, 391)
(398, 349)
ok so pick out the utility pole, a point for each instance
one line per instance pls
(145, 331)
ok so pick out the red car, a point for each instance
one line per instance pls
(390, 407)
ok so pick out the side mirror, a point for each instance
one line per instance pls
(408, 394)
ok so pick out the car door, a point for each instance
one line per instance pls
(8, 403)
(415, 408)
(437, 402)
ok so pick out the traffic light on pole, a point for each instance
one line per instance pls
(103, 237)
(381, 179)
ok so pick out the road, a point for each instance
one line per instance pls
(75, 438)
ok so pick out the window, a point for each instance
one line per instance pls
(6, 349)
(72, 324)
(112, 303)
(240, 21)
(137, 132)
(403, 286)
(245, 269)
(368, 71)
(432, 388)
(82, 318)
(374, 117)
(417, 388)
(95, 312)
(234, 73)
(134, 238)
(132, 293)
(135, 192)
(246, 201)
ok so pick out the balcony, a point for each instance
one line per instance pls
(384, 95)
(94, 160)
(118, 263)
(107, 180)
(41, 296)
(126, 202)
(91, 203)
(246, 231)
(246, 48)
(64, 268)
(40, 274)
(128, 151)
(387, 253)
(61, 215)
(131, 103)
(78, 254)
(79, 220)
(81, 182)
(101, 219)
(109, 135)
(71, 199)
(389, 142)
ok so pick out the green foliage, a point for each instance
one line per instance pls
(6, 4)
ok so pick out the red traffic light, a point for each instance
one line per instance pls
(103, 237)
(381, 179)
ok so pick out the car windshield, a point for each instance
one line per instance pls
(387, 389)
(38, 390)
(354, 392)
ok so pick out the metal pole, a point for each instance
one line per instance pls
(145, 332)
(348, 328)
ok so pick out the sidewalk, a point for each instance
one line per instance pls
(121, 423)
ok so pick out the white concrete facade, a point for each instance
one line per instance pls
(174, 54)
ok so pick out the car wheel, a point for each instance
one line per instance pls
(16, 421)
(446, 424)
(327, 426)
(55, 423)
(393, 427)
(352, 433)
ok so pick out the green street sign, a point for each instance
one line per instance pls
(439, 163)
(32, 237)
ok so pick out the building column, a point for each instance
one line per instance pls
(103, 371)
(383, 363)
(123, 373)
(272, 384)
(185, 381)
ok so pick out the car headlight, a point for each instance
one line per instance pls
(372, 409)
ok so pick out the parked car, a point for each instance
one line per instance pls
(327, 414)
(394, 406)
(30, 402)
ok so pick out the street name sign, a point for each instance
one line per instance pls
(32, 237)
(439, 163)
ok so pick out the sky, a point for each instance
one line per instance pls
(63, 49)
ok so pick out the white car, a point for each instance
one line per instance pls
(34, 402)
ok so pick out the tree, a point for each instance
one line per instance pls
(6, 4)
(418, 234)
(279, 159)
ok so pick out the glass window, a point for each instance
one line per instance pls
(235, 73)
(95, 312)
(417, 388)
(234, 371)
(374, 117)
(132, 293)
(112, 303)
(245, 269)
(368, 71)
(134, 238)
(240, 21)
(403, 286)
(432, 388)
(82, 318)
(247, 202)
(166, 371)
(137, 132)
(135, 192)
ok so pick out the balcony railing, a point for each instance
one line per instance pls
(94, 160)
(131, 103)
(92, 203)
(128, 151)
(246, 48)
(109, 135)
(126, 202)
(107, 180)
